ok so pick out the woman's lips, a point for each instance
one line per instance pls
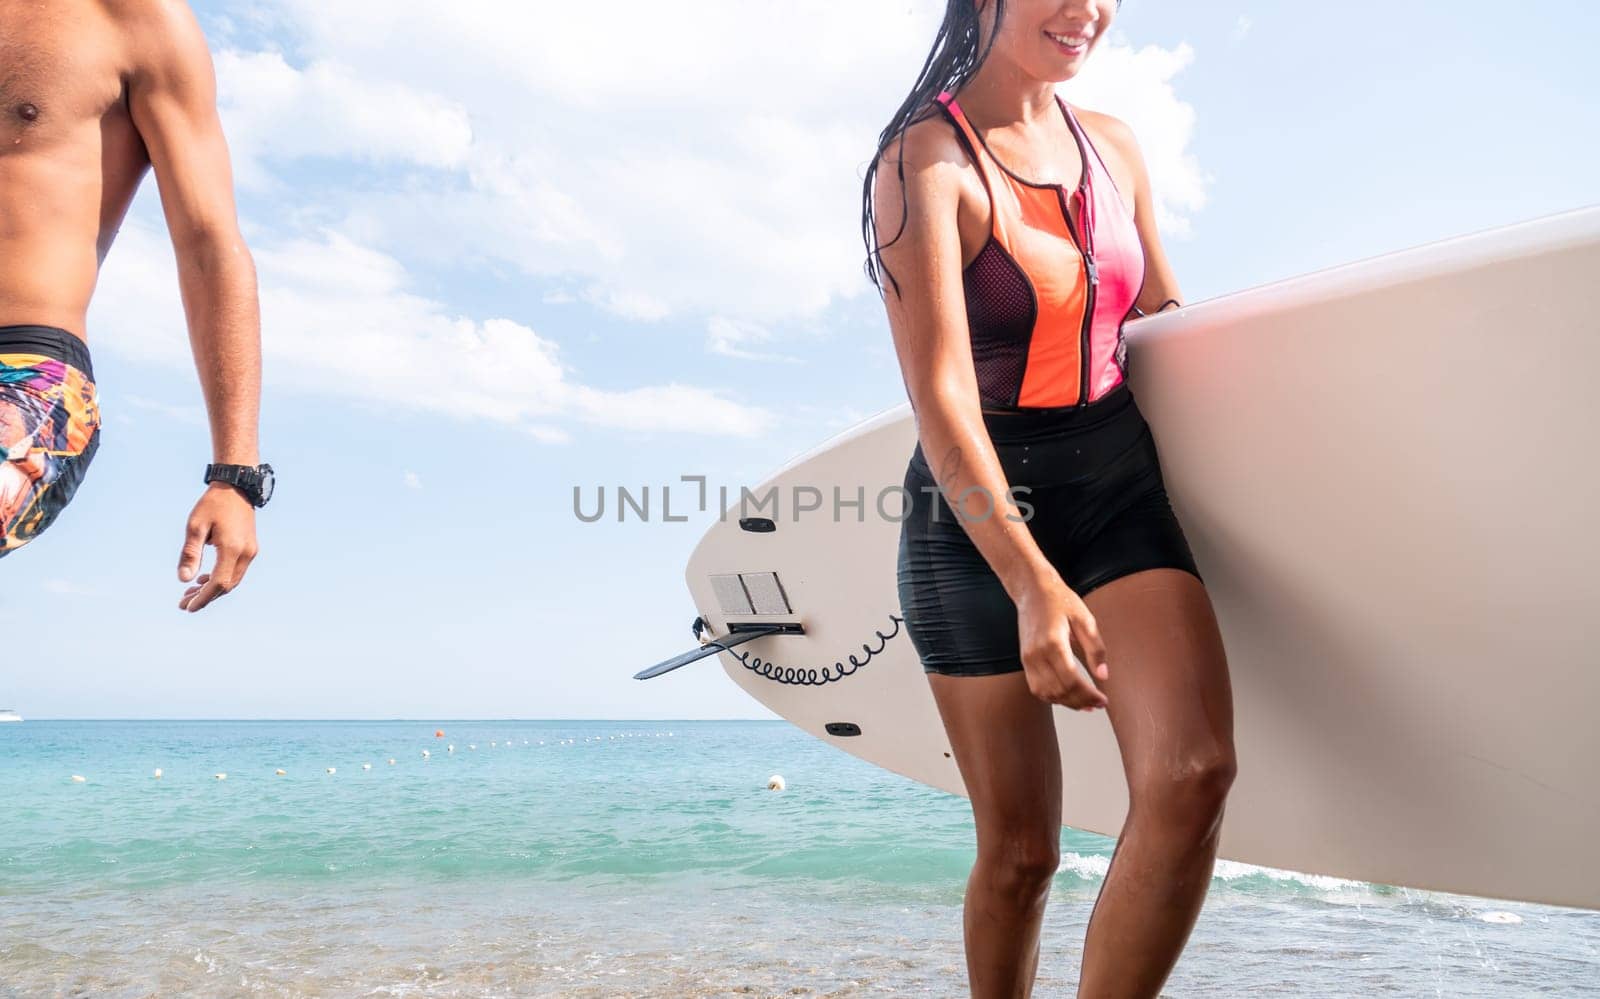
(1070, 45)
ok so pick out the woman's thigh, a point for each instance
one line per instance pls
(1004, 741)
(1168, 695)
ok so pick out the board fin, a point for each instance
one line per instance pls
(710, 647)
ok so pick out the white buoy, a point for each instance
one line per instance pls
(775, 782)
(391, 761)
(158, 773)
(220, 776)
(280, 772)
(332, 770)
(472, 745)
(1506, 918)
(79, 779)
(426, 754)
(366, 766)
(450, 748)
(492, 745)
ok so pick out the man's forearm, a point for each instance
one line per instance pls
(218, 281)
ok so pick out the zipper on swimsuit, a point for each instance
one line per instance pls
(1091, 274)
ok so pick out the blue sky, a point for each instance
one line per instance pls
(504, 255)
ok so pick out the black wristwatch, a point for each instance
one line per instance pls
(255, 481)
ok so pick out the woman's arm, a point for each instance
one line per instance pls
(927, 317)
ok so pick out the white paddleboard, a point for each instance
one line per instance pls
(1386, 472)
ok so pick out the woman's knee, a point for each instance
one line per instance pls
(1193, 789)
(1020, 864)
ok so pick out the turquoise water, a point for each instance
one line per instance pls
(612, 858)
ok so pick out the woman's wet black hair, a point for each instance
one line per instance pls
(954, 58)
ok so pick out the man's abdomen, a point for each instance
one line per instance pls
(52, 210)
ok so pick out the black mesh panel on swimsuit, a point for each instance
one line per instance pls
(1001, 312)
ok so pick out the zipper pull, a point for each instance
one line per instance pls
(1086, 216)
(1093, 269)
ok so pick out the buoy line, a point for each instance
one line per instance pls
(775, 783)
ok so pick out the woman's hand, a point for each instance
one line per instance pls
(1053, 624)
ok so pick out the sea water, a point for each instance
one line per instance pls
(611, 859)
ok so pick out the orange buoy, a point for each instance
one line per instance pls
(438, 733)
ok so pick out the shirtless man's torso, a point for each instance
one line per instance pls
(93, 93)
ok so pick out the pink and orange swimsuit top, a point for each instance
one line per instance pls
(1046, 304)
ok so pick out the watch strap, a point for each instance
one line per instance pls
(247, 478)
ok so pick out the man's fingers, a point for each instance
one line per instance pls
(189, 594)
(224, 577)
(194, 543)
(209, 587)
(233, 558)
(246, 556)
(204, 595)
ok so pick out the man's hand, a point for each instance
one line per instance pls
(225, 520)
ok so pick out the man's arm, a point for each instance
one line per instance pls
(172, 96)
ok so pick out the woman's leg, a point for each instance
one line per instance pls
(1004, 741)
(1171, 707)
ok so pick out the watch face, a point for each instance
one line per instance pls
(268, 480)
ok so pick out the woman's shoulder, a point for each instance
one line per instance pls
(929, 145)
(1108, 129)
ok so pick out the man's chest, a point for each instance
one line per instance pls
(59, 67)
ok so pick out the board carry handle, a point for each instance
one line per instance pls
(739, 634)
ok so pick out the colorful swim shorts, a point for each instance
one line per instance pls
(49, 427)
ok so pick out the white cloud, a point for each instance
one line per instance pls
(274, 112)
(67, 588)
(339, 318)
(694, 166)
(413, 480)
(193, 415)
(732, 337)
(547, 435)
(1242, 27)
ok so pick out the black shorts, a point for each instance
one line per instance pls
(1099, 511)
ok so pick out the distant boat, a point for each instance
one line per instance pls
(7, 715)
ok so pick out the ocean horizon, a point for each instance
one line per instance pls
(611, 857)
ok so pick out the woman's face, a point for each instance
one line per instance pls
(1048, 39)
